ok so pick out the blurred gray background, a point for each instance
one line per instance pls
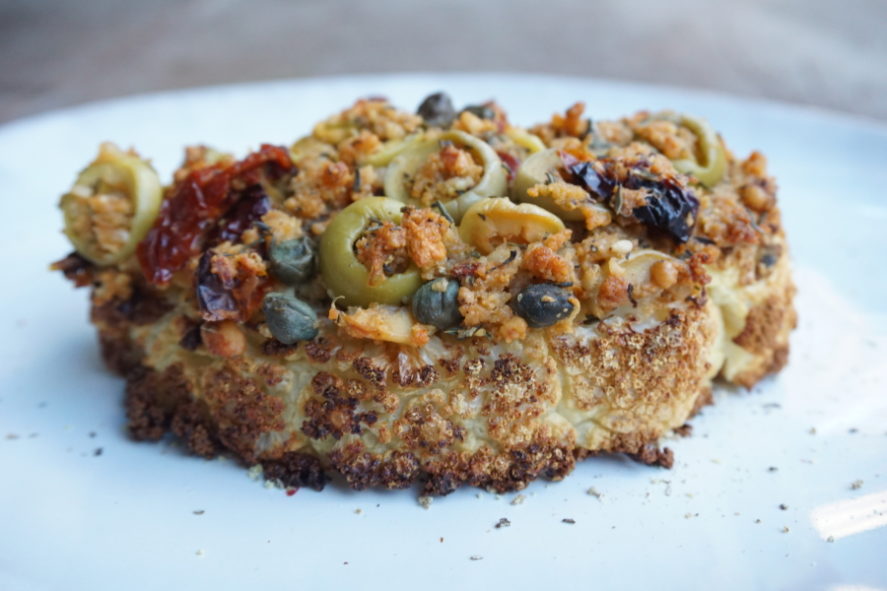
(55, 53)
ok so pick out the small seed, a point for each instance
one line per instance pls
(754, 197)
(223, 339)
(663, 274)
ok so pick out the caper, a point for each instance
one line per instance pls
(437, 303)
(543, 304)
(289, 319)
(481, 111)
(292, 261)
(437, 110)
(346, 276)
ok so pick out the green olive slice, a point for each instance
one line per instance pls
(344, 275)
(709, 166)
(491, 222)
(523, 138)
(637, 266)
(543, 168)
(492, 183)
(111, 206)
(389, 150)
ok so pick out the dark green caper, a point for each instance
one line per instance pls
(289, 319)
(481, 111)
(543, 304)
(437, 303)
(292, 261)
(437, 110)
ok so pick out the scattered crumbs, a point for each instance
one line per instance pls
(830, 539)
(736, 513)
(667, 484)
(358, 511)
(715, 461)
(425, 501)
(199, 553)
(757, 521)
(345, 563)
(503, 522)
(477, 495)
(690, 515)
(518, 500)
(594, 493)
(772, 469)
(475, 557)
(255, 472)
(812, 431)
(291, 490)
(688, 495)
(92, 434)
(378, 505)
(684, 430)
(856, 484)
(853, 430)
(785, 529)
(568, 520)
(98, 451)
(198, 511)
(11, 436)
(441, 539)
(783, 506)
(772, 405)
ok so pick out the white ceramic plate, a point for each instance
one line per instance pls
(127, 518)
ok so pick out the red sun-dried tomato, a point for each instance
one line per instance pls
(510, 163)
(249, 208)
(194, 205)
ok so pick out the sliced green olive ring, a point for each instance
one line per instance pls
(492, 183)
(543, 168)
(492, 221)
(637, 266)
(347, 277)
(709, 166)
(385, 153)
(113, 176)
(525, 139)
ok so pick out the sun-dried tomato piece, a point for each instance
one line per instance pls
(600, 186)
(252, 205)
(670, 208)
(510, 163)
(193, 207)
(228, 287)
